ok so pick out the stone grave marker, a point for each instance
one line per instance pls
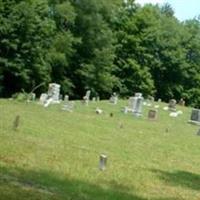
(198, 133)
(137, 105)
(66, 98)
(181, 102)
(172, 105)
(102, 162)
(43, 98)
(195, 116)
(152, 114)
(114, 98)
(54, 93)
(86, 98)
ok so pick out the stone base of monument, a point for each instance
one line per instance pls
(194, 122)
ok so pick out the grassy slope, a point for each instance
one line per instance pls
(54, 154)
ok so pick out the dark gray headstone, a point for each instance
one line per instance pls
(195, 116)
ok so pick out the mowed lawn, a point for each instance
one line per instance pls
(54, 154)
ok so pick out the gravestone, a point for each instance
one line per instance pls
(86, 98)
(43, 98)
(114, 98)
(66, 98)
(54, 92)
(152, 114)
(102, 162)
(137, 103)
(172, 105)
(159, 100)
(181, 102)
(195, 116)
(198, 133)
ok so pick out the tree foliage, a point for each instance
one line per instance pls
(100, 45)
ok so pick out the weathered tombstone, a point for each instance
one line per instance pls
(102, 162)
(43, 98)
(137, 105)
(114, 98)
(172, 105)
(66, 98)
(152, 114)
(98, 98)
(16, 123)
(181, 102)
(198, 133)
(195, 116)
(86, 98)
(54, 92)
(159, 100)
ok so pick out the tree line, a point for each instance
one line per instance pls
(105, 46)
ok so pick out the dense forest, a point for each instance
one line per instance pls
(102, 45)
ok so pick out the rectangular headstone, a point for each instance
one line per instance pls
(152, 115)
(195, 116)
(102, 162)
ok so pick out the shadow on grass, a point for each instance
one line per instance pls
(180, 178)
(21, 184)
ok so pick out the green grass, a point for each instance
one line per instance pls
(54, 154)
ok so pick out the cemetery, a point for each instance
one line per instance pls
(66, 151)
(99, 100)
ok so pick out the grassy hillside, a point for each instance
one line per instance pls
(54, 155)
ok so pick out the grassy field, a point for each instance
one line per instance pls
(54, 154)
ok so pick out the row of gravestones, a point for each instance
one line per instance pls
(135, 103)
